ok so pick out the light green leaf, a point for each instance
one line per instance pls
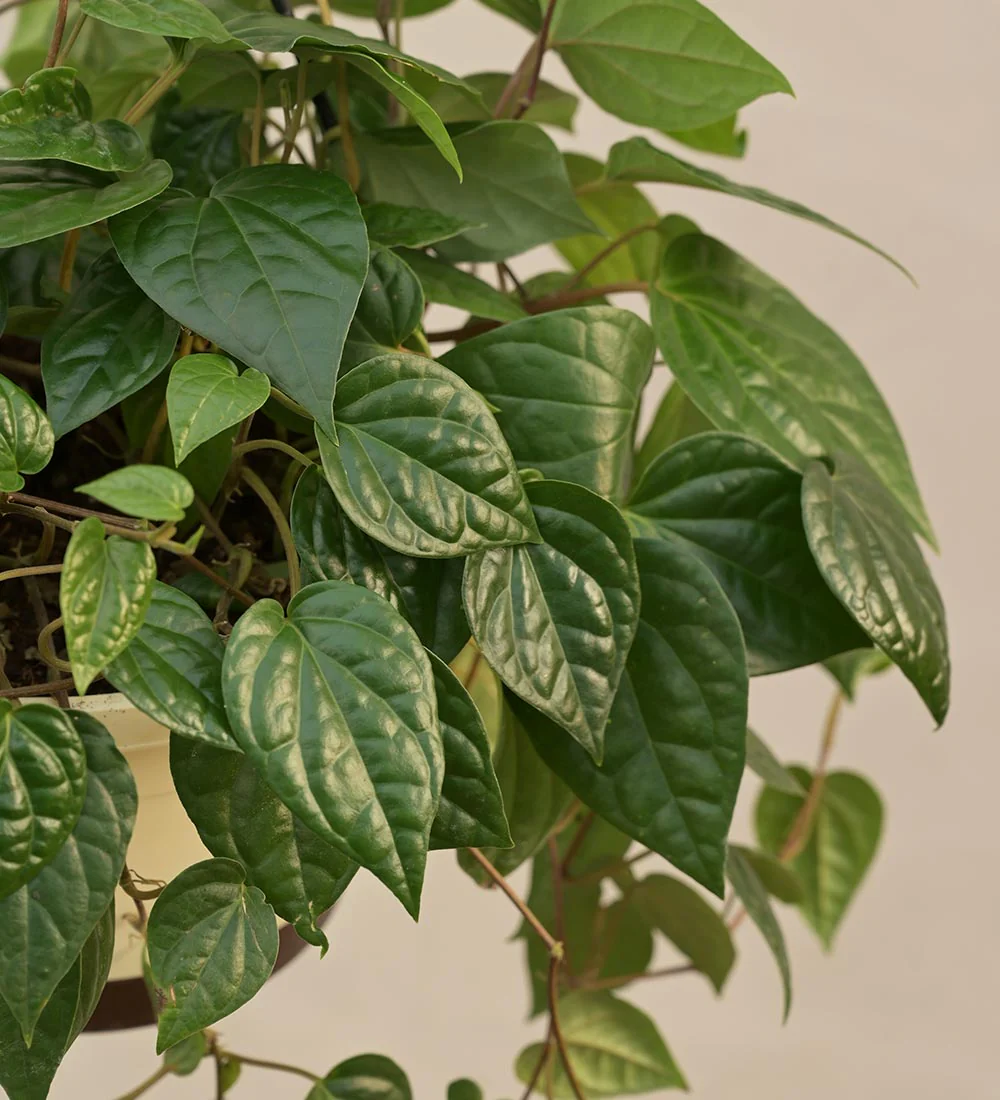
(394, 226)
(26, 437)
(364, 1077)
(389, 311)
(450, 286)
(724, 138)
(170, 18)
(149, 492)
(777, 878)
(765, 765)
(551, 106)
(851, 669)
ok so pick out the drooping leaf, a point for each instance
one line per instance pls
(201, 144)
(394, 226)
(295, 253)
(765, 765)
(389, 310)
(148, 492)
(556, 620)
(675, 739)
(851, 669)
(42, 783)
(213, 942)
(421, 464)
(26, 437)
(46, 922)
(335, 706)
(777, 878)
(757, 362)
(170, 18)
(450, 286)
(677, 417)
(49, 119)
(567, 386)
(239, 817)
(364, 1077)
(734, 504)
(108, 342)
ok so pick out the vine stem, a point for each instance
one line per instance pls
(74, 34)
(263, 1063)
(625, 979)
(271, 445)
(70, 245)
(57, 35)
(609, 250)
(284, 531)
(29, 571)
(351, 164)
(146, 1085)
(157, 89)
(536, 69)
(49, 688)
(552, 945)
(300, 106)
(72, 510)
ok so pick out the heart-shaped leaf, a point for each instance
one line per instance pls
(47, 921)
(556, 620)
(451, 286)
(394, 226)
(148, 492)
(776, 877)
(213, 942)
(26, 437)
(335, 705)
(765, 765)
(389, 310)
(206, 395)
(851, 669)
(296, 255)
(421, 464)
(49, 119)
(42, 783)
(171, 18)
(239, 817)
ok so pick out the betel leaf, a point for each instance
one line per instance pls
(335, 705)
(851, 669)
(213, 942)
(47, 921)
(748, 887)
(464, 1088)
(295, 253)
(624, 943)
(765, 765)
(515, 186)
(669, 64)
(370, 8)
(185, 1057)
(431, 591)
(394, 226)
(690, 923)
(201, 144)
(389, 310)
(567, 387)
(170, 18)
(421, 464)
(172, 669)
(677, 417)
(451, 286)
(675, 740)
(638, 160)
(614, 1048)
(105, 588)
(550, 106)
(206, 395)
(49, 119)
(41, 199)
(556, 620)
(861, 540)
(756, 361)
(364, 1077)
(732, 502)
(526, 12)
(26, 437)
(42, 783)
(777, 878)
(148, 492)
(239, 817)
(841, 844)
(107, 342)
(470, 813)
(724, 138)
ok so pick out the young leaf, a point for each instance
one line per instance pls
(107, 343)
(26, 438)
(757, 362)
(170, 18)
(777, 878)
(450, 286)
(296, 257)
(614, 1048)
(149, 492)
(46, 922)
(567, 387)
(677, 417)
(239, 817)
(172, 669)
(389, 310)
(104, 591)
(213, 942)
(676, 735)
(851, 669)
(49, 119)
(335, 705)
(764, 764)
(43, 778)
(364, 1077)
(845, 836)
(394, 226)
(556, 621)
(206, 395)
(736, 505)
(421, 464)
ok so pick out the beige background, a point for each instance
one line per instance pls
(894, 133)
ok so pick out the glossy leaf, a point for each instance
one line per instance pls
(394, 226)
(149, 492)
(46, 922)
(421, 464)
(107, 343)
(49, 119)
(734, 504)
(212, 942)
(171, 18)
(206, 395)
(104, 591)
(364, 1077)
(239, 817)
(295, 259)
(768, 767)
(389, 310)
(26, 437)
(851, 669)
(172, 669)
(202, 145)
(451, 286)
(675, 739)
(42, 199)
(431, 593)
(567, 387)
(756, 361)
(777, 878)
(42, 783)
(335, 705)
(556, 620)
(862, 543)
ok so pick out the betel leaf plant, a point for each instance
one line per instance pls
(394, 587)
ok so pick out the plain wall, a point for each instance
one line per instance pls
(893, 132)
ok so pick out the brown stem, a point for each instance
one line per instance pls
(284, 531)
(346, 133)
(553, 992)
(20, 366)
(205, 571)
(258, 124)
(553, 946)
(625, 979)
(300, 105)
(575, 845)
(72, 510)
(29, 690)
(29, 571)
(543, 44)
(512, 90)
(540, 1064)
(155, 434)
(558, 908)
(150, 1081)
(74, 34)
(57, 34)
(70, 244)
(596, 261)
(799, 833)
(263, 1063)
(159, 88)
(47, 651)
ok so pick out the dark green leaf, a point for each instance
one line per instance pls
(764, 764)
(724, 138)
(409, 226)
(777, 878)
(556, 621)
(624, 942)
(551, 105)
(861, 540)
(450, 286)
(389, 310)
(364, 1077)
(185, 1057)
(26, 437)
(850, 669)
(464, 1089)
(371, 7)
(148, 492)
(296, 256)
(213, 942)
(567, 385)
(677, 417)
(201, 144)
(431, 591)
(171, 18)
(421, 464)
